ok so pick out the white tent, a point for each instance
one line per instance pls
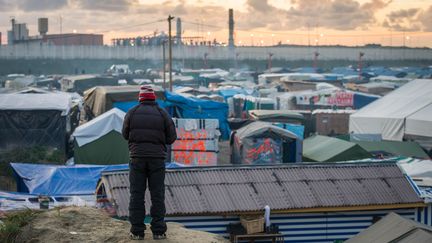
(407, 110)
(420, 123)
(100, 126)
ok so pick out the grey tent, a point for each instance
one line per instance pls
(262, 143)
(35, 119)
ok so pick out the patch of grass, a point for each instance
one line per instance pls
(13, 223)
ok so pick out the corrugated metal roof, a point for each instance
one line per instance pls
(225, 190)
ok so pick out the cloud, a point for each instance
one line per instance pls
(6, 5)
(260, 6)
(425, 18)
(40, 5)
(332, 14)
(413, 19)
(105, 5)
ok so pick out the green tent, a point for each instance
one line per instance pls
(327, 149)
(99, 141)
(111, 148)
(393, 148)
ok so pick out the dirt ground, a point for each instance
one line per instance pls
(83, 224)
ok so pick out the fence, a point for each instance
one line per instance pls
(289, 53)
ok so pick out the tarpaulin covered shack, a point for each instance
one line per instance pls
(32, 119)
(102, 98)
(262, 142)
(80, 83)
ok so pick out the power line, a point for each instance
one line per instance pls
(133, 26)
(305, 34)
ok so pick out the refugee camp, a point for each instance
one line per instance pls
(216, 121)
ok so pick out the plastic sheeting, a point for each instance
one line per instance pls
(100, 126)
(57, 180)
(420, 123)
(29, 102)
(294, 128)
(387, 115)
(201, 109)
(11, 201)
(26, 128)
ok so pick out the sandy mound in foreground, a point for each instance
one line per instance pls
(82, 224)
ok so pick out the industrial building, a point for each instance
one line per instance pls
(19, 34)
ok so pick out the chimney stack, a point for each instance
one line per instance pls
(231, 27)
(179, 31)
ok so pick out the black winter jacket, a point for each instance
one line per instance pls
(148, 129)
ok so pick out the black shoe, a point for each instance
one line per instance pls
(159, 236)
(133, 236)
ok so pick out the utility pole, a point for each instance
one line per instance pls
(315, 61)
(205, 60)
(269, 65)
(236, 60)
(164, 64)
(170, 18)
(61, 24)
(360, 65)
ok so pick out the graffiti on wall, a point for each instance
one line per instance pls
(264, 150)
(198, 134)
(339, 98)
(194, 158)
(195, 145)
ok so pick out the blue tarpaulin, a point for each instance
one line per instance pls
(195, 108)
(361, 99)
(127, 105)
(190, 107)
(56, 180)
(228, 93)
(294, 128)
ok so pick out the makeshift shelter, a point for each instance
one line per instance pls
(80, 83)
(394, 228)
(326, 149)
(99, 141)
(264, 143)
(331, 122)
(35, 119)
(309, 203)
(197, 142)
(99, 99)
(393, 148)
(198, 109)
(282, 116)
(289, 120)
(405, 111)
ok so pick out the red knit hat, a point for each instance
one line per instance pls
(146, 93)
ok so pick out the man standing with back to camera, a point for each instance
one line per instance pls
(148, 129)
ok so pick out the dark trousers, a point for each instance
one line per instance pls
(141, 171)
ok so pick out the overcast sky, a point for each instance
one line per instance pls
(347, 22)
